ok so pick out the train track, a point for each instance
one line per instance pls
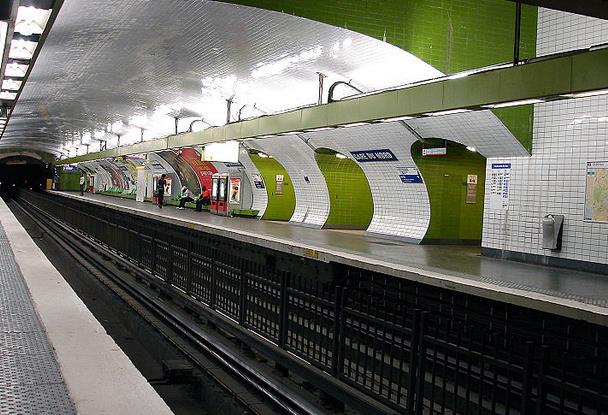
(200, 345)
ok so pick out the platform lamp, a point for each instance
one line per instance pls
(200, 120)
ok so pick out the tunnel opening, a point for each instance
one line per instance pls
(22, 172)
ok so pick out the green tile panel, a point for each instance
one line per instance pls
(452, 219)
(351, 205)
(280, 206)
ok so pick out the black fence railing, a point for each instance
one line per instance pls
(416, 348)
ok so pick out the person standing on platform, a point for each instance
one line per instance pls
(186, 196)
(203, 200)
(160, 190)
(82, 182)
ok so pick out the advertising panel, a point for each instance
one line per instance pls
(235, 190)
(184, 171)
(204, 170)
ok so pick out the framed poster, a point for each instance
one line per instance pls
(596, 191)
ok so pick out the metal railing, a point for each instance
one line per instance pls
(415, 348)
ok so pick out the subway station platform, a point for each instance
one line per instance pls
(573, 294)
(55, 357)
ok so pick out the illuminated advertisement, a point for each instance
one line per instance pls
(184, 171)
(204, 170)
(235, 190)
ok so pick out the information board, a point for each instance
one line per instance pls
(596, 191)
(500, 183)
(409, 175)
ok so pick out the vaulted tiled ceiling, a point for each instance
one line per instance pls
(138, 63)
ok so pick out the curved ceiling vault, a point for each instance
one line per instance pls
(138, 63)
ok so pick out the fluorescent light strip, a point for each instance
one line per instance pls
(586, 94)
(8, 95)
(22, 49)
(11, 84)
(447, 112)
(15, 70)
(31, 21)
(514, 103)
(3, 29)
(393, 119)
(354, 124)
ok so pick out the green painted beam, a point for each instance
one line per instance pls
(548, 78)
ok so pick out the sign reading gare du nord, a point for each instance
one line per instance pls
(374, 155)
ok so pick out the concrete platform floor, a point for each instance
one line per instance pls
(65, 343)
(454, 267)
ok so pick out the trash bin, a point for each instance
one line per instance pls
(552, 231)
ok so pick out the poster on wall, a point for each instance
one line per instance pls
(471, 197)
(235, 190)
(500, 183)
(258, 181)
(409, 175)
(279, 187)
(168, 184)
(596, 191)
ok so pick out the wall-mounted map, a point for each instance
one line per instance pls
(596, 193)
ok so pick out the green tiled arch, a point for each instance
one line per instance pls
(280, 206)
(452, 219)
(351, 205)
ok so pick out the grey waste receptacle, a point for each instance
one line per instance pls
(552, 230)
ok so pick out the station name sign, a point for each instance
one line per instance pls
(366, 156)
(435, 151)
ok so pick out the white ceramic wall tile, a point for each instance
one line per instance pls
(260, 197)
(479, 129)
(312, 197)
(567, 134)
(400, 209)
(560, 31)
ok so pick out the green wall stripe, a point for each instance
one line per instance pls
(452, 219)
(351, 203)
(280, 206)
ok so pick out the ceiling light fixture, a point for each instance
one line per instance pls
(472, 149)
(8, 95)
(15, 70)
(354, 124)
(587, 94)
(11, 84)
(312, 130)
(3, 29)
(514, 103)
(31, 21)
(447, 112)
(341, 156)
(22, 49)
(393, 119)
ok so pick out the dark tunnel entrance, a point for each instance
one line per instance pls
(22, 172)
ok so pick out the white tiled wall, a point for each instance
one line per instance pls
(400, 209)
(260, 197)
(312, 197)
(479, 129)
(559, 32)
(567, 134)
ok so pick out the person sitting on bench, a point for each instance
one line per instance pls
(204, 199)
(186, 196)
